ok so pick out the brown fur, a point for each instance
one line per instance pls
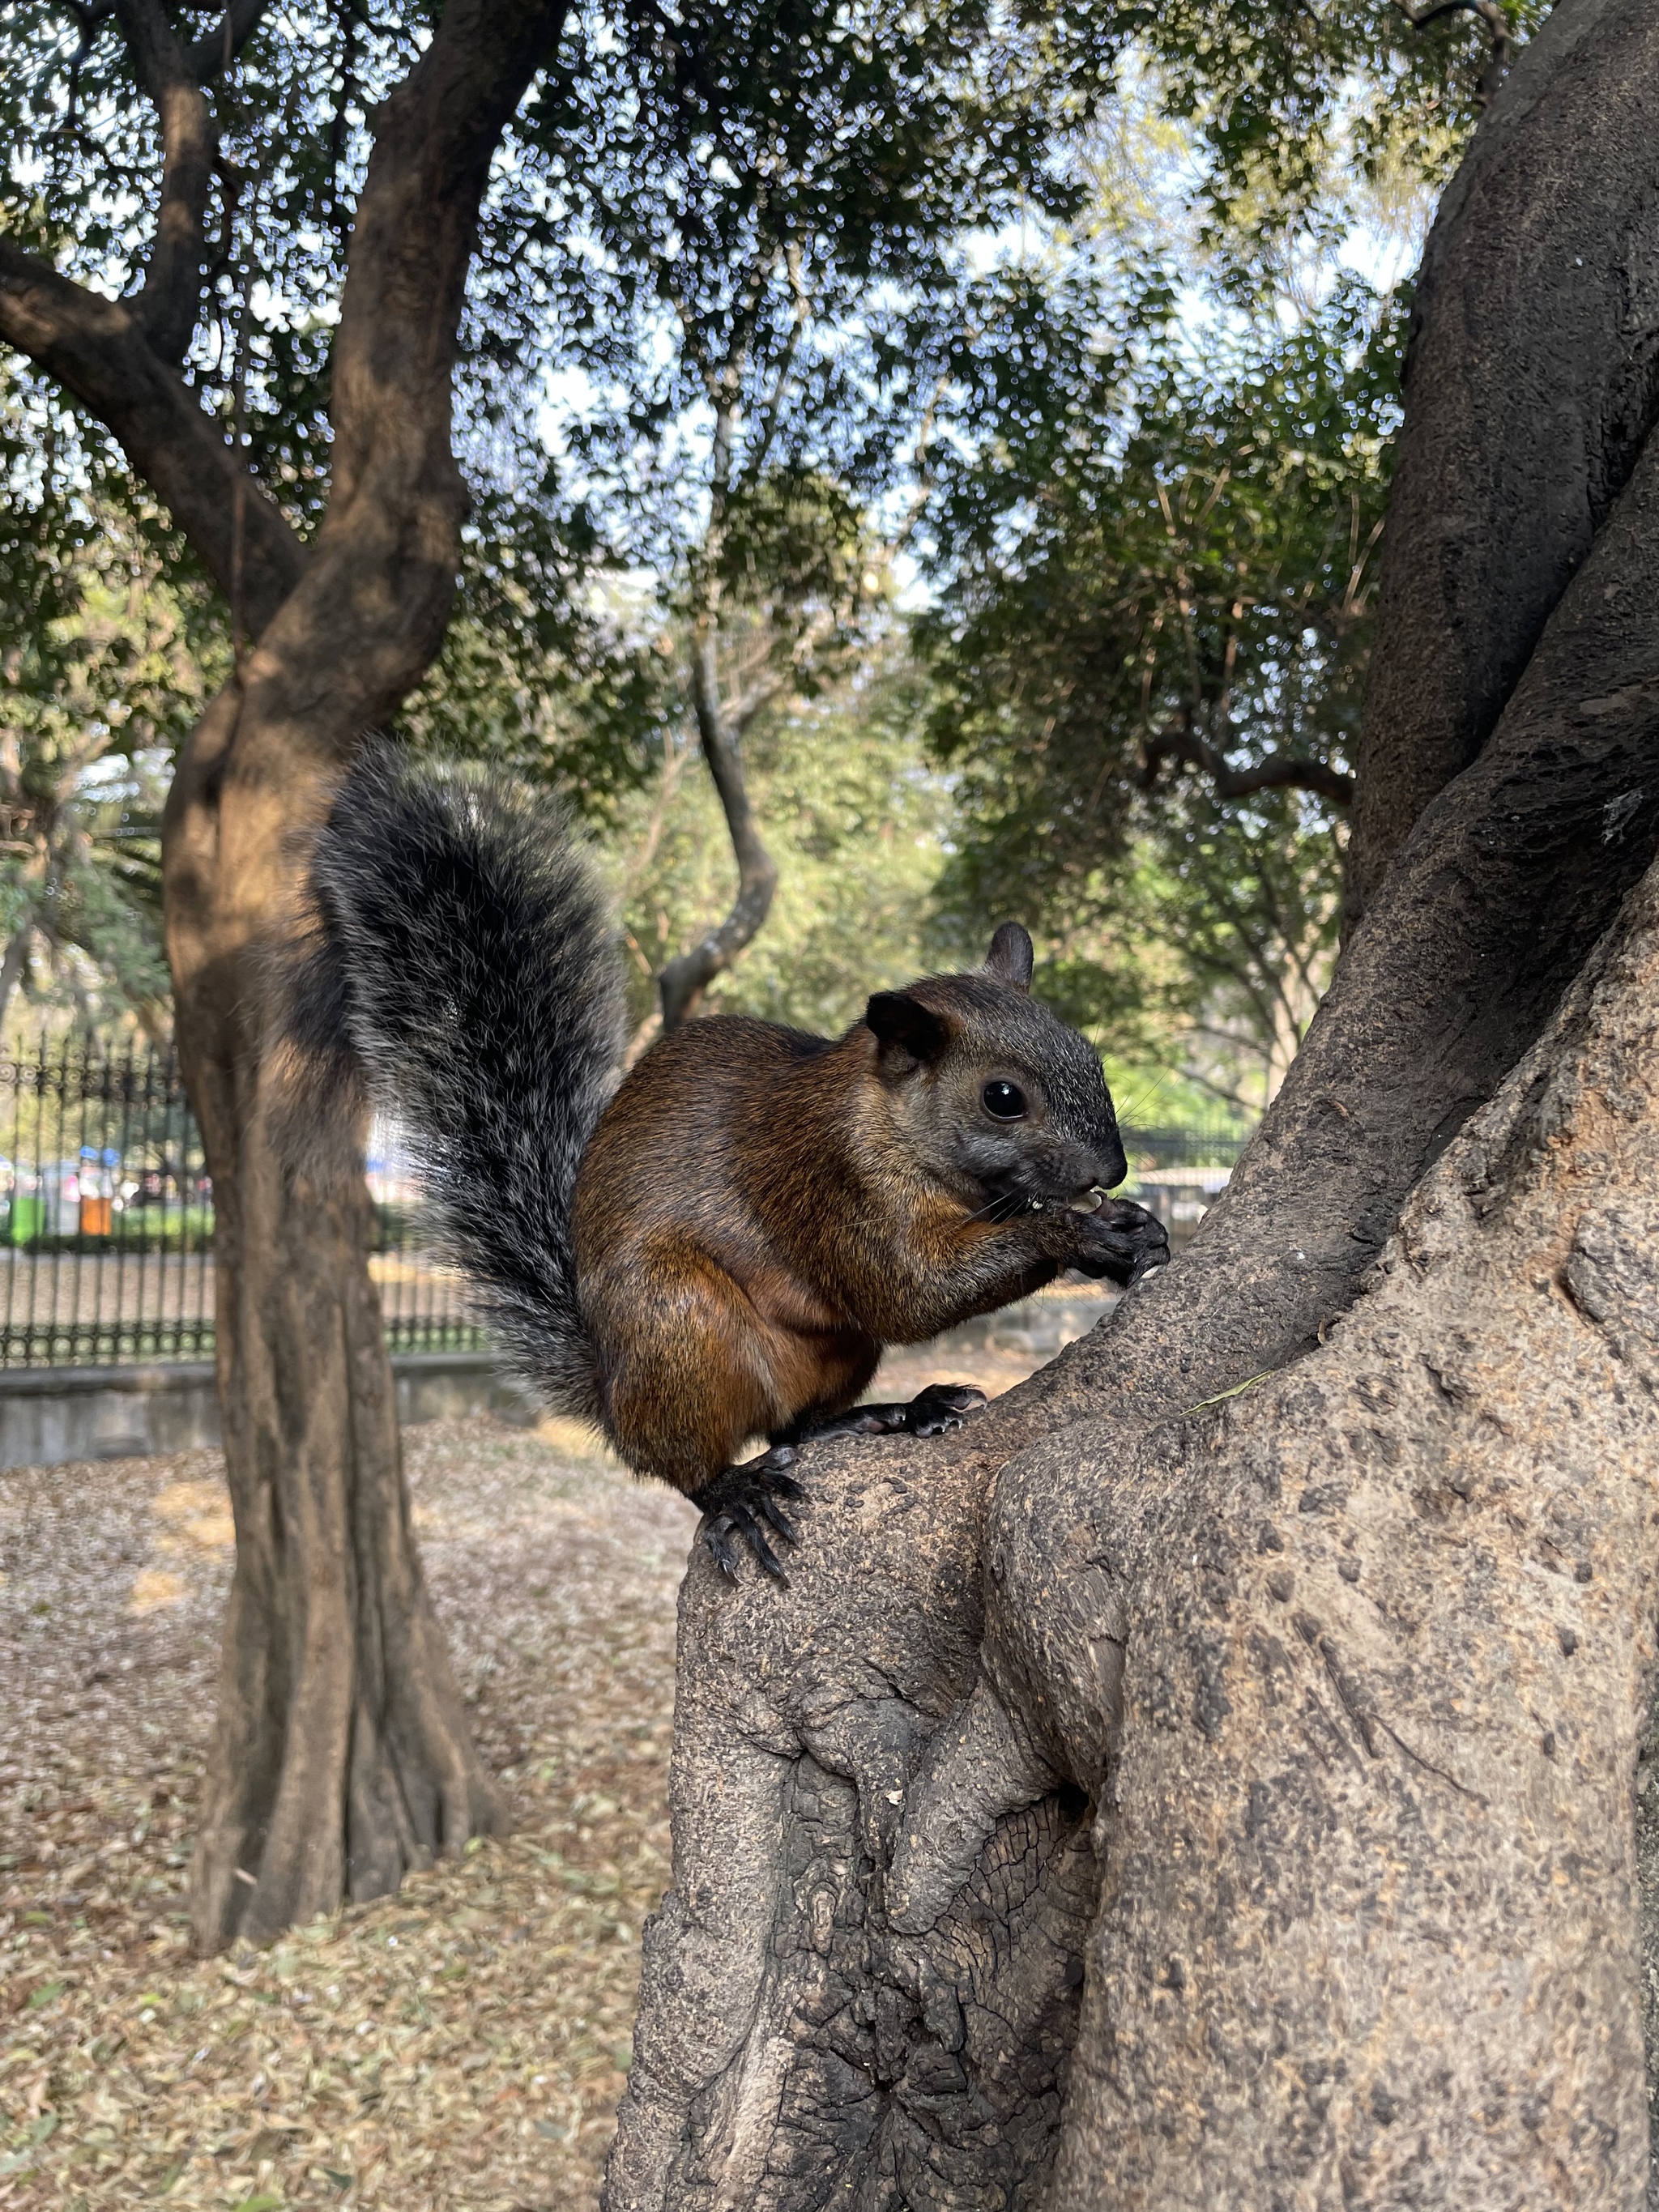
(721, 1249)
(759, 1211)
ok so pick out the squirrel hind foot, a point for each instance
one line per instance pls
(943, 1407)
(740, 1504)
(933, 1411)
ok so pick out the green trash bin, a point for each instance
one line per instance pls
(28, 1219)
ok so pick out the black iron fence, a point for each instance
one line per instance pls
(1178, 1173)
(1165, 1151)
(107, 1213)
(106, 1218)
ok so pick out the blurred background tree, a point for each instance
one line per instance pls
(1149, 651)
(109, 648)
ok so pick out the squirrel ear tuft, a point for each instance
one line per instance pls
(904, 1023)
(1010, 957)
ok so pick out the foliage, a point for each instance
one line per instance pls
(1197, 959)
(1178, 547)
(107, 664)
(857, 820)
(745, 317)
(736, 188)
(1162, 593)
(1300, 114)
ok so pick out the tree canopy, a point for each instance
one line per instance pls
(768, 300)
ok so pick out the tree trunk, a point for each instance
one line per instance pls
(341, 1755)
(1209, 1779)
(1532, 380)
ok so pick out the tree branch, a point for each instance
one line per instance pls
(741, 712)
(1459, 610)
(95, 350)
(417, 226)
(1503, 37)
(371, 599)
(1179, 741)
(169, 302)
(214, 52)
(1008, 1542)
(755, 460)
(688, 975)
(91, 20)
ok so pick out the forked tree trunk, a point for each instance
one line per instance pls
(1209, 1780)
(341, 1755)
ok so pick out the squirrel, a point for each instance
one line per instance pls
(718, 1245)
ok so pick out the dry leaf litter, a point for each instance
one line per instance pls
(463, 2044)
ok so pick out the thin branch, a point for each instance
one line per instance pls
(339, 212)
(755, 460)
(1497, 22)
(673, 767)
(214, 52)
(741, 712)
(91, 21)
(1357, 572)
(1182, 741)
(686, 976)
(96, 349)
(169, 303)
(175, 277)
(922, 490)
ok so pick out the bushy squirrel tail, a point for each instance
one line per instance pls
(461, 971)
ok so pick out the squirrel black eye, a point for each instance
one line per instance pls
(1007, 1101)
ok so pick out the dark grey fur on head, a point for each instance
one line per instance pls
(466, 959)
(1006, 1023)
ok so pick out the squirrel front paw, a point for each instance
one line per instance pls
(735, 1503)
(1122, 1241)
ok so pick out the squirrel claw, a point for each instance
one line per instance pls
(736, 1504)
(933, 1411)
(941, 1408)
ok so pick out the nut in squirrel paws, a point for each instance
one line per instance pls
(1122, 1241)
(741, 1502)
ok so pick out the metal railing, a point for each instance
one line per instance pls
(107, 1213)
(1162, 1150)
(106, 1218)
(1177, 1173)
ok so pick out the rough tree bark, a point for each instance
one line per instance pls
(1532, 379)
(341, 1755)
(1209, 1779)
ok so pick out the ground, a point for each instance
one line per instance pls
(461, 2044)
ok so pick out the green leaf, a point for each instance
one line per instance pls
(47, 1992)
